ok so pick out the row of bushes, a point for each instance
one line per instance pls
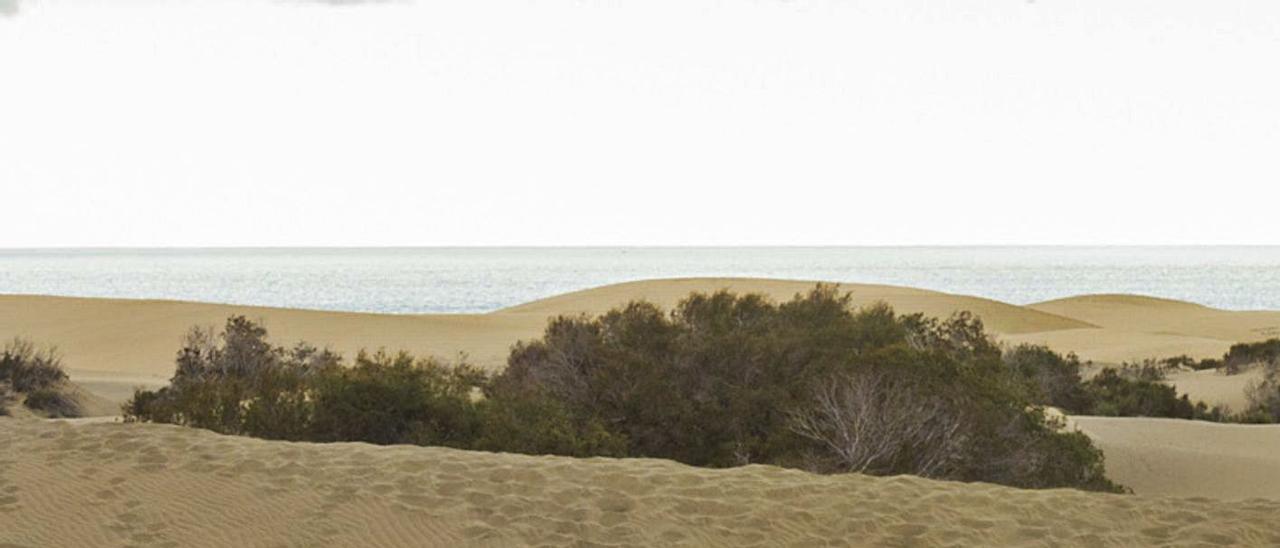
(722, 380)
(1138, 389)
(1131, 390)
(35, 375)
(1237, 358)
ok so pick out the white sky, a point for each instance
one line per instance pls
(639, 122)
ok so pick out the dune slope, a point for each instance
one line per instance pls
(1188, 458)
(138, 339)
(1137, 314)
(151, 485)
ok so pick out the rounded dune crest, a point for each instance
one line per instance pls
(998, 316)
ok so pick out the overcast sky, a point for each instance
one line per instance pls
(642, 122)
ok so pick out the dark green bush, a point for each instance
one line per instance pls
(27, 368)
(539, 425)
(37, 373)
(235, 382)
(1115, 394)
(722, 380)
(725, 380)
(1052, 379)
(388, 399)
(1238, 357)
(53, 403)
(1132, 390)
(1190, 363)
(1244, 354)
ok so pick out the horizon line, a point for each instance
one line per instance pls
(616, 246)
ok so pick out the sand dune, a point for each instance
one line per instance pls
(1000, 317)
(152, 485)
(141, 337)
(1189, 458)
(1130, 313)
(1215, 388)
(1112, 346)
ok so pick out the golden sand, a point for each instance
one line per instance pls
(154, 485)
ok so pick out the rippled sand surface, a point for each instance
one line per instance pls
(149, 485)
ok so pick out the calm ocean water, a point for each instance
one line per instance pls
(425, 280)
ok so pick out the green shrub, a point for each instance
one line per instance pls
(1190, 363)
(27, 368)
(1114, 393)
(1244, 354)
(53, 403)
(725, 380)
(539, 425)
(1238, 357)
(722, 380)
(1132, 390)
(1052, 379)
(234, 382)
(37, 373)
(388, 399)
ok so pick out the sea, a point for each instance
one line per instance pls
(469, 280)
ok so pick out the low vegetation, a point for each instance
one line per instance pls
(1264, 396)
(1131, 390)
(35, 376)
(1238, 357)
(722, 380)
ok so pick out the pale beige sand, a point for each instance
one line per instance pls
(141, 337)
(113, 386)
(152, 485)
(1189, 458)
(1135, 314)
(1215, 388)
(1112, 346)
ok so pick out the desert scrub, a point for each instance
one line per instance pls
(36, 372)
(28, 368)
(722, 380)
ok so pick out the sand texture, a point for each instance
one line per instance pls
(153, 485)
(1176, 457)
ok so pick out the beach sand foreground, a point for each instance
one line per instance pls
(154, 485)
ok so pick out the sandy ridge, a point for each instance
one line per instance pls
(153, 485)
